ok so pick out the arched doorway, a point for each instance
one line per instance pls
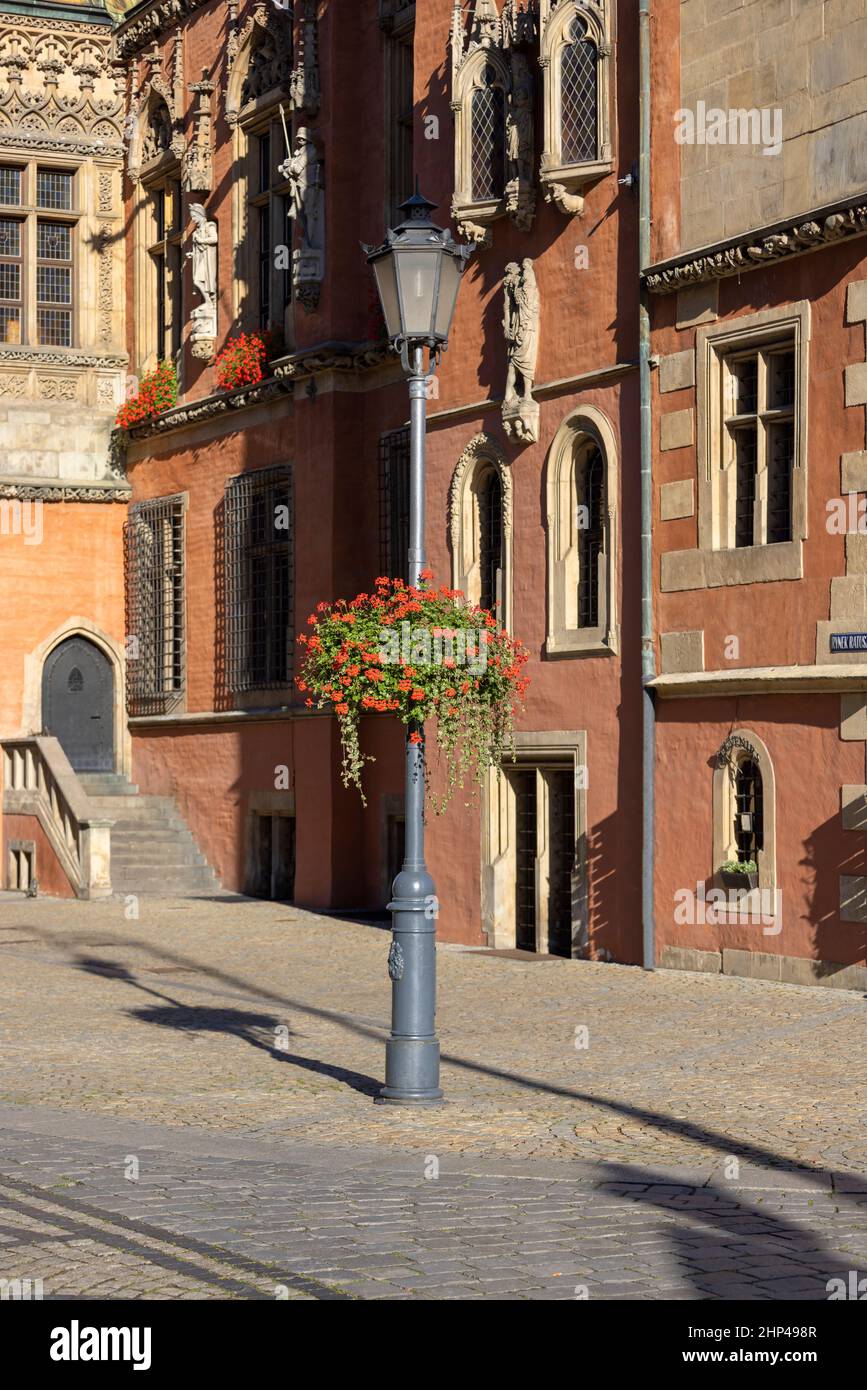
(78, 704)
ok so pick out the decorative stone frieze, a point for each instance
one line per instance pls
(749, 253)
(58, 90)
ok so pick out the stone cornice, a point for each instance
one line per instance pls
(286, 371)
(65, 492)
(331, 357)
(759, 248)
(762, 680)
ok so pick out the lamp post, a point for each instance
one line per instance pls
(418, 270)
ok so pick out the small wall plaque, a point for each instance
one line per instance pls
(849, 641)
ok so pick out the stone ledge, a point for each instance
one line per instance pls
(763, 965)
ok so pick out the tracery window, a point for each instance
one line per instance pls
(37, 254)
(575, 53)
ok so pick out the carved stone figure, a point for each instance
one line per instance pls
(305, 173)
(158, 133)
(521, 313)
(203, 319)
(520, 195)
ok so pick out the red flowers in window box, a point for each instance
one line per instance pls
(158, 391)
(243, 360)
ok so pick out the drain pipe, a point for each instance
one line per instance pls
(648, 657)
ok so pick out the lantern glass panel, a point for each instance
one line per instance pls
(386, 283)
(450, 279)
(416, 273)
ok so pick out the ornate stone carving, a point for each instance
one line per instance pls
(259, 60)
(304, 83)
(198, 162)
(13, 385)
(53, 388)
(58, 90)
(305, 173)
(309, 362)
(203, 319)
(490, 69)
(37, 492)
(106, 291)
(133, 35)
(481, 446)
(60, 357)
(521, 314)
(106, 191)
(742, 255)
(155, 123)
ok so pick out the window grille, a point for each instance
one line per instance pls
(591, 495)
(488, 140)
(524, 784)
(578, 99)
(155, 618)
(749, 813)
(394, 503)
(258, 560)
(561, 856)
(490, 540)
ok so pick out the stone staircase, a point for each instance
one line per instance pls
(152, 851)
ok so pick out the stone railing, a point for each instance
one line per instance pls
(39, 781)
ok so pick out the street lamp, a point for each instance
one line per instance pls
(418, 270)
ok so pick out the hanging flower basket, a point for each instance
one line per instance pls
(158, 391)
(244, 358)
(420, 654)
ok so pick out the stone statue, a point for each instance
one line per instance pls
(521, 312)
(520, 192)
(204, 257)
(304, 172)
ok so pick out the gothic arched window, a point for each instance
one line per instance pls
(488, 136)
(578, 97)
(480, 506)
(575, 56)
(590, 499)
(490, 523)
(581, 490)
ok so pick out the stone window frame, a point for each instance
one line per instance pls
(481, 456)
(248, 121)
(711, 565)
(724, 844)
(28, 215)
(163, 175)
(554, 750)
(563, 637)
(563, 183)
(467, 210)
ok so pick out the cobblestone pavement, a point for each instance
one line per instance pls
(707, 1141)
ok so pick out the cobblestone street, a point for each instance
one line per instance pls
(186, 1111)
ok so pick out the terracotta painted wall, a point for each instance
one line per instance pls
(802, 735)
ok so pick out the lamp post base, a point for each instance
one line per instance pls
(412, 1072)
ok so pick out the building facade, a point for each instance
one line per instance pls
(261, 144)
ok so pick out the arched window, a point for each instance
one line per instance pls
(480, 507)
(578, 96)
(744, 805)
(590, 499)
(490, 524)
(581, 489)
(488, 128)
(575, 56)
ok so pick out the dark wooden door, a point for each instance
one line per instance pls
(78, 704)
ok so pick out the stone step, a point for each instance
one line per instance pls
(152, 849)
(107, 784)
(172, 882)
